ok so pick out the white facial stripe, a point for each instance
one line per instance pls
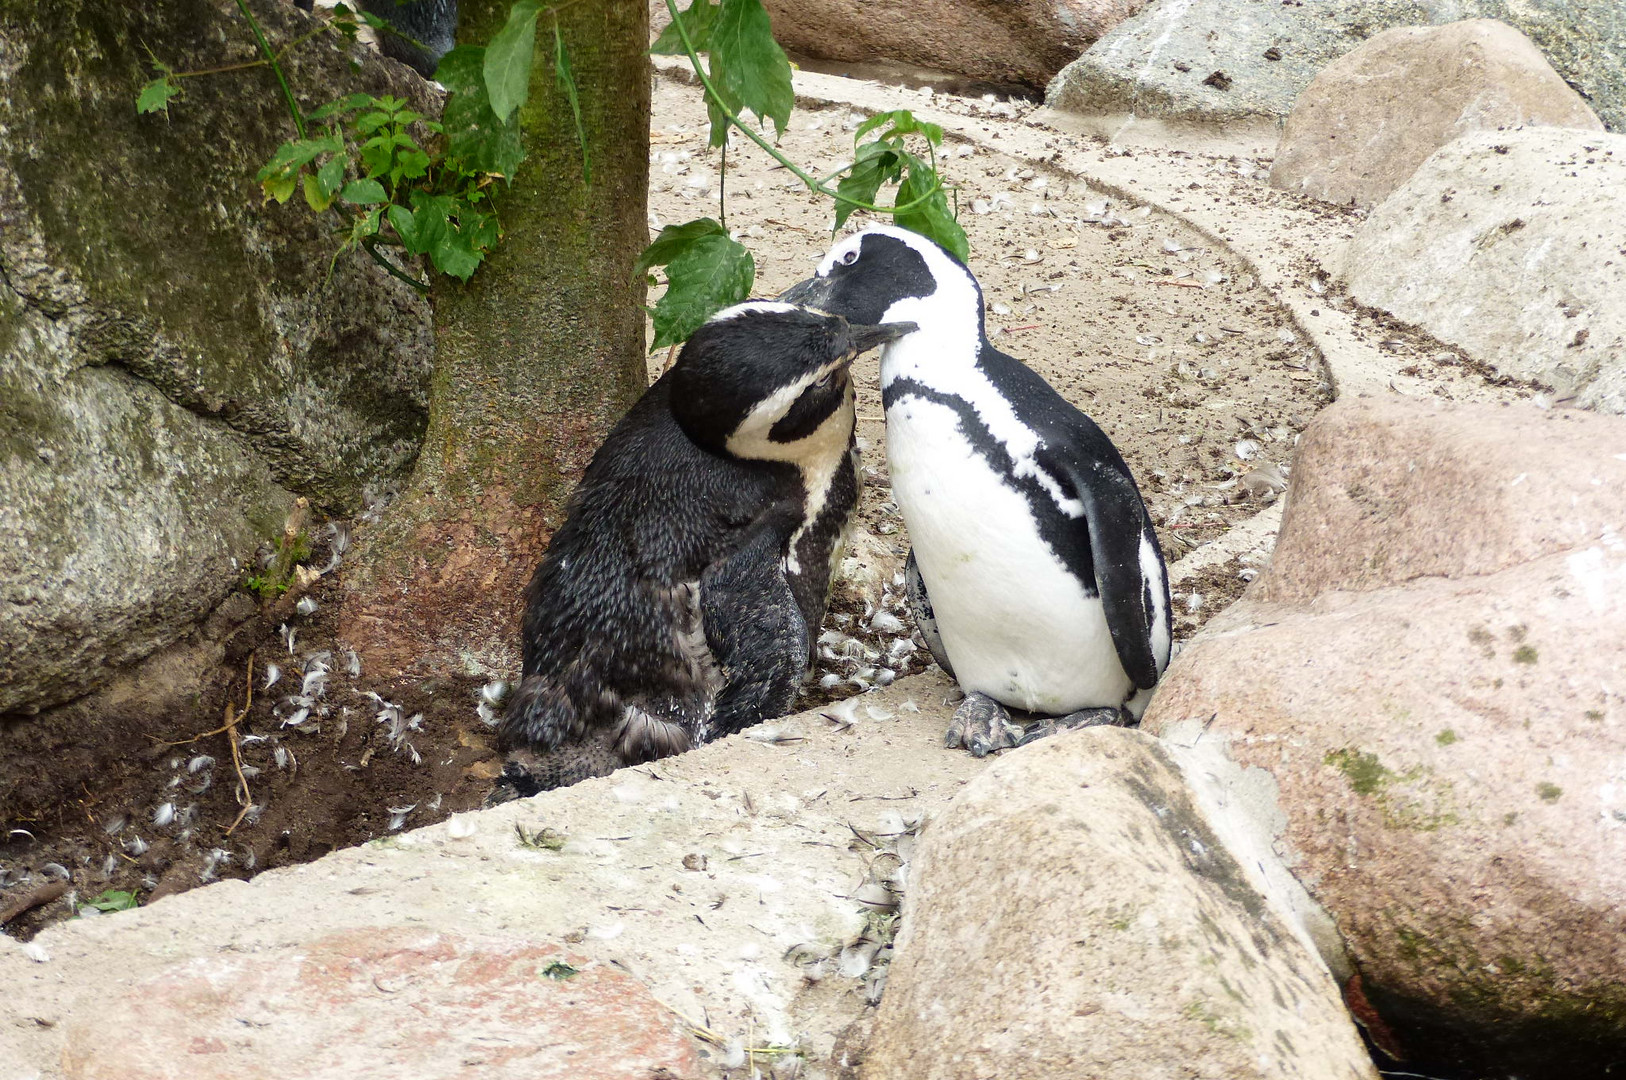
(818, 455)
(750, 307)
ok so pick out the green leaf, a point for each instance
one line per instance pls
(295, 154)
(314, 197)
(706, 271)
(565, 80)
(698, 19)
(347, 104)
(933, 218)
(673, 239)
(405, 227)
(748, 67)
(331, 176)
(903, 123)
(429, 214)
(477, 142)
(377, 155)
(454, 234)
(365, 225)
(156, 95)
(280, 188)
(558, 970)
(874, 163)
(507, 67)
(364, 192)
(113, 900)
(409, 163)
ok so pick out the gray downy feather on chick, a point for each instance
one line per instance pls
(681, 599)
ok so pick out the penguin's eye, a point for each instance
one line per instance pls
(850, 257)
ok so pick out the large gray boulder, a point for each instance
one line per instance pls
(1073, 913)
(176, 361)
(1425, 691)
(1228, 60)
(1511, 244)
(1373, 115)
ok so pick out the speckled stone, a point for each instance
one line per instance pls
(388, 1002)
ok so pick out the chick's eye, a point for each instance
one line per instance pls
(850, 257)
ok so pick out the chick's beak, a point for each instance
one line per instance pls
(863, 338)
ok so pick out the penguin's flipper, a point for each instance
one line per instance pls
(925, 618)
(756, 631)
(1129, 571)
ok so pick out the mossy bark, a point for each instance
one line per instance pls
(535, 358)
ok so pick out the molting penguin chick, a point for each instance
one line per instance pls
(681, 599)
(1035, 573)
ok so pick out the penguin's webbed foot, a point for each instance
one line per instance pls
(981, 725)
(1083, 718)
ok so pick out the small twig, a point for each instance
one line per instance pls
(183, 742)
(236, 751)
(38, 898)
(1015, 329)
(1181, 284)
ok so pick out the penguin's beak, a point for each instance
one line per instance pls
(864, 338)
(807, 293)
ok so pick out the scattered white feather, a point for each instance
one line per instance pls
(887, 623)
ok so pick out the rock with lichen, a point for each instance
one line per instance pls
(1420, 706)
(178, 361)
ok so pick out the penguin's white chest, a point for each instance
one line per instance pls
(1016, 624)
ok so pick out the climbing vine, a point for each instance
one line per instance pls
(400, 181)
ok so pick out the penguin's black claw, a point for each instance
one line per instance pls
(1119, 717)
(981, 725)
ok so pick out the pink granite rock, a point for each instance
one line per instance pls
(1429, 679)
(1018, 42)
(391, 1002)
(1372, 116)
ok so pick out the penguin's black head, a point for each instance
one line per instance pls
(884, 274)
(762, 378)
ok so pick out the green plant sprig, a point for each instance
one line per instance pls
(706, 269)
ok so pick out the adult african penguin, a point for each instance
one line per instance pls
(681, 599)
(1035, 572)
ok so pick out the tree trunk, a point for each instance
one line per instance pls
(535, 358)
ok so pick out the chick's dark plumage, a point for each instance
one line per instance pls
(680, 599)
